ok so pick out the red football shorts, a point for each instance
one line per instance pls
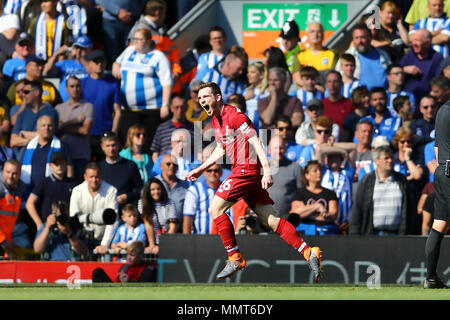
(245, 186)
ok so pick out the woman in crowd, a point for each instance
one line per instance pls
(146, 84)
(274, 57)
(158, 213)
(316, 206)
(257, 79)
(134, 151)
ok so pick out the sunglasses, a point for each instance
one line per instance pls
(429, 107)
(284, 128)
(139, 134)
(405, 141)
(171, 164)
(213, 170)
(327, 131)
(26, 91)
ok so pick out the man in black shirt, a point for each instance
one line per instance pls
(442, 203)
(121, 173)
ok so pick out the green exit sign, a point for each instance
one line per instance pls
(271, 16)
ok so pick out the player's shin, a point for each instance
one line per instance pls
(226, 231)
(288, 233)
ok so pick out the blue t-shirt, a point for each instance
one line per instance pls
(387, 127)
(15, 69)
(372, 72)
(124, 234)
(429, 155)
(308, 153)
(27, 120)
(294, 151)
(66, 69)
(58, 247)
(102, 93)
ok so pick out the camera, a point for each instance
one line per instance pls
(61, 211)
(100, 216)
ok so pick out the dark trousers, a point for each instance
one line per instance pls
(115, 34)
(99, 275)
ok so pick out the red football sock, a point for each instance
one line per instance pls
(288, 233)
(226, 231)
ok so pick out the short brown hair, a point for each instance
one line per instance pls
(308, 166)
(137, 248)
(214, 87)
(129, 207)
(309, 72)
(324, 121)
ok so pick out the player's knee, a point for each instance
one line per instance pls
(214, 212)
(273, 221)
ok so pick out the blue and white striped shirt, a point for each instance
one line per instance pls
(227, 86)
(143, 77)
(196, 204)
(434, 24)
(124, 234)
(206, 62)
(346, 90)
(390, 100)
(12, 6)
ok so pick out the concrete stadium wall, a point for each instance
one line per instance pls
(347, 259)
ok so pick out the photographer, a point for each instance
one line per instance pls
(59, 237)
(88, 201)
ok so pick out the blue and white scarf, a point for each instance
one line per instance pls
(41, 35)
(77, 18)
(12, 6)
(55, 145)
(340, 184)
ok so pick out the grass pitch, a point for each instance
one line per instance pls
(218, 292)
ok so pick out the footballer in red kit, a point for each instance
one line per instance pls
(249, 180)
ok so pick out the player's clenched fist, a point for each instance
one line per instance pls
(266, 181)
(193, 175)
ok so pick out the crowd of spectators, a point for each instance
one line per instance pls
(99, 114)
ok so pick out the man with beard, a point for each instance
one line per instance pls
(384, 123)
(371, 62)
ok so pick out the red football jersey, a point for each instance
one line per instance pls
(233, 129)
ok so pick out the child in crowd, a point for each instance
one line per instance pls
(403, 107)
(309, 77)
(348, 66)
(136, 270)
(132, 230)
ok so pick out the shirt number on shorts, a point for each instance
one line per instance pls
(225, 185)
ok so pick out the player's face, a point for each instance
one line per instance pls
(208, 101)
(155, 191)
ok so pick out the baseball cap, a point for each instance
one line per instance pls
(380, 141)
(33, 58)
(314, 103)
(96, 54)
(83, 42)
(23, 37)
(58, 156)
(289, 30)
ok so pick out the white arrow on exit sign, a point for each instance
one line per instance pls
(334, 22)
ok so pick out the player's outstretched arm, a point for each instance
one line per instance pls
(267, 180)
(217, 154)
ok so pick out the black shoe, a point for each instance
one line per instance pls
(435, 283)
